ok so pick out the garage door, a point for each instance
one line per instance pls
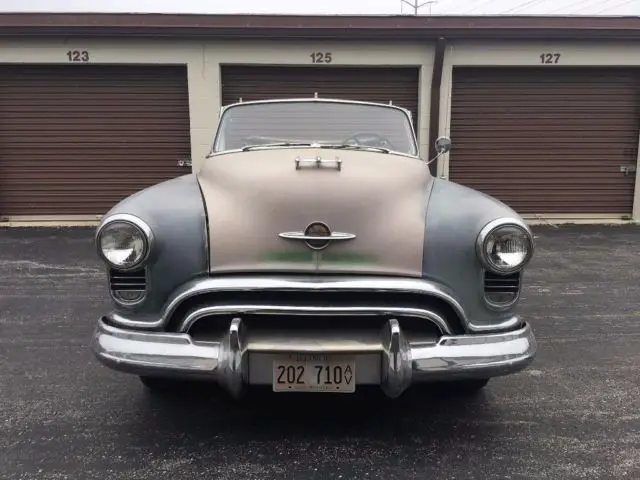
(547, 141)
(76, 139)
(374, 84)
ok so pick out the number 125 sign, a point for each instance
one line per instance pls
(321, 57)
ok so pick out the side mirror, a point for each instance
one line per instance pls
(443, 145)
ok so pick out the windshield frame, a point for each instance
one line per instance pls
(223, 111)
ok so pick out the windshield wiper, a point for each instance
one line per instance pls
(346, 146)
(277, 144)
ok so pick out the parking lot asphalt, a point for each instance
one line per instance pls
(575, 413)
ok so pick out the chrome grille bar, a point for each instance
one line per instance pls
(241, 309)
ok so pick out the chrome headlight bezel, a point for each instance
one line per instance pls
(491, 228)
(138, 224)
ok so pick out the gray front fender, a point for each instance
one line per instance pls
(455, 216)
(175, 212)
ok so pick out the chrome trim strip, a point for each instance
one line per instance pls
(511, 322)
(145, 322)
(302, 236)
(196, 315)
(306, 147)
(315, 99)
(403, 362)
(312, 284)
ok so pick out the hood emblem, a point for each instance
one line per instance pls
(317, 236)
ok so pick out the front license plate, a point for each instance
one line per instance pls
(314, 373)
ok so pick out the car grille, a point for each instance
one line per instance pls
(343, 298)
(128, 288)
(133, 280)
(213, 325)
(501, 290)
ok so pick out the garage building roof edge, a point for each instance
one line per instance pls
(314, 26)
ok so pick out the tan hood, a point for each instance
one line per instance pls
(251, 197)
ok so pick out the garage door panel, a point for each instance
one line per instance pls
(76, 139)
(547, 141)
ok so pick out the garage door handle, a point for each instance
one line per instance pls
(186, 162)
(627, 169)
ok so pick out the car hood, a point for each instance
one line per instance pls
(251, 197)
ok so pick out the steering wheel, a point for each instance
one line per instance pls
(369, 139)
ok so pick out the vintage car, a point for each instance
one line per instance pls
(313, 251)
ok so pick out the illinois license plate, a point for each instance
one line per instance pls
(314, 373)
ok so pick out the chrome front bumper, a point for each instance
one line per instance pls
(390, 358)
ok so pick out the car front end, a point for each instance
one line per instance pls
(314, 268)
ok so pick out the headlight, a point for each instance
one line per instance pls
(505, 246)
(124, 242)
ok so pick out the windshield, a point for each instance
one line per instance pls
(324, 123)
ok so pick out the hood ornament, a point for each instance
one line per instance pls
(317, 236)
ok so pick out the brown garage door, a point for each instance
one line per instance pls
(75, 139)
(547, 141)
(371, 84)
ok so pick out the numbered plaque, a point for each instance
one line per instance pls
(314, 373)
